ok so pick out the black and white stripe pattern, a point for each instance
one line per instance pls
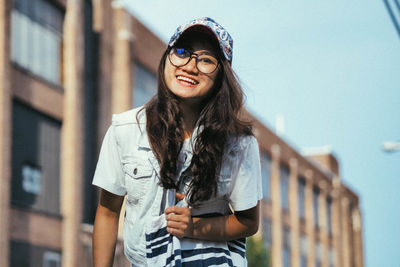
(164, 249)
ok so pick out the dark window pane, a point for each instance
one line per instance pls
(303, 251)
(303, 261)
(286, 257)
(26, 255)
(286, 247)
(25, 7)
(286, 238)
(331, 257)
(316, 206)
(329, 214)
(51, 259)
(145, 85)
(266, 175)
(48, 15)
(267, 232)
(35, 160)
(301, 197)
(36, 38)
(318, 254)
(284, 185)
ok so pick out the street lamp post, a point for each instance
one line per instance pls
(391, 146)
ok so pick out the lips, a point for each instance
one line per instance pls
(186, 80)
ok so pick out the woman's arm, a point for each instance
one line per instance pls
(106, 228)
(221, 228)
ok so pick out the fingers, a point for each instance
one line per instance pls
(177, 210)
(180, 196)
(176, 232)
(179, 221)
(178, 227)
(178, 218)
(181, 215)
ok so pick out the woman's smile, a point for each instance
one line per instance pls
(187, 82)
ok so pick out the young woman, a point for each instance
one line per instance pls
(188, 138)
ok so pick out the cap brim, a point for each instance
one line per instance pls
(201, 29)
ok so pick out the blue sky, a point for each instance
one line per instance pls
(332, 69)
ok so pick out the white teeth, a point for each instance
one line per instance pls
(187, 79)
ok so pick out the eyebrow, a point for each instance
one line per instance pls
(205, 52)
(200, 52)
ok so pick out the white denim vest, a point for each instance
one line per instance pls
(127, 166)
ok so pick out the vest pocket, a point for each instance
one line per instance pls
(137, 180)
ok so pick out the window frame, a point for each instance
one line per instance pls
(266, 160)
(29, 48)
(44, 141)
(301, 197)
(316, 206)
(51, 256)
(284, 183)
(140, 71)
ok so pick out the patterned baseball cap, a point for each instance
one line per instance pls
(224, 39)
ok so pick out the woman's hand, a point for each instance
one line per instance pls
(179, 219)
(221, 228)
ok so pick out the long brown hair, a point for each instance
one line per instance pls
(218, 121)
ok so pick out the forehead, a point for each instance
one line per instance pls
(199, 41)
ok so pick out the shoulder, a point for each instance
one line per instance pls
(238, 144)
(129, 129)
(133, 116)
(247, 140)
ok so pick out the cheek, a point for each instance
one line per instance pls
(168, 74)
(213, 79)
(211, 84)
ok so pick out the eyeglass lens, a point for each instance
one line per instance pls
(205, 63)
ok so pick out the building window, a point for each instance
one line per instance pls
(266, 175)
(301, 197)
(31, 179)
(51, 259)
(35, 160)
(286, 247)
(329, 214)
(267, 232)
(318, 254)
(331, 257)
(145, 85)
(316, 206)
(303, 251)
(26, 255)
(284, 184)
(36, 38)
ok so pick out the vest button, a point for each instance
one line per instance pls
(135, 171)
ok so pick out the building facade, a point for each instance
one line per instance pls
(65, 67)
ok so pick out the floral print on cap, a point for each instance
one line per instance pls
(224, 39)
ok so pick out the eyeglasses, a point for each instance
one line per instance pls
(205, 63)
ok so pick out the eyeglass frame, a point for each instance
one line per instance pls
(192, 54)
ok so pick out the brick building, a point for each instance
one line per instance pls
(65, 67)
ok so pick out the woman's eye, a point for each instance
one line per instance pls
(207, 60)
(181, 52)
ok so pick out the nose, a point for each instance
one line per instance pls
(191, 66)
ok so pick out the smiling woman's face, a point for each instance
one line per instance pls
(187, 82)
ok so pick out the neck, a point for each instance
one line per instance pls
(191, 113)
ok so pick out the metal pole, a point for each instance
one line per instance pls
(391, 146)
